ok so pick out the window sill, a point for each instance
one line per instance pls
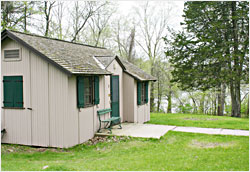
(12, 60)
(143, 104)
(87, 106)
(13, 107)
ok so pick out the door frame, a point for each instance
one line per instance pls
(118, 93)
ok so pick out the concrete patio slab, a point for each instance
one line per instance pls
(139, 130)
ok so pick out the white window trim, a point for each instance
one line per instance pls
(13, 59)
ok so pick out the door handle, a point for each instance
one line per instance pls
(29, 108)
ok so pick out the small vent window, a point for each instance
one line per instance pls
(12, 54)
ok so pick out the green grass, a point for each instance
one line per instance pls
(174, 151)
(193, 120)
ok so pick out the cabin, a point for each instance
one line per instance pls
(52, 89)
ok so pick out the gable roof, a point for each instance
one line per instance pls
(128, 67)
(107, 60)
(136, 72)
(72, 58)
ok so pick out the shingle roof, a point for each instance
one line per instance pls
(137, 72)
(105, 60)
(129, 68)
(75, 58)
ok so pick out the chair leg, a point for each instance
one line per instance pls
(120, 124)
(100, 124)
(110, 130)
(106, 126)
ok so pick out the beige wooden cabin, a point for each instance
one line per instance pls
(52, 89)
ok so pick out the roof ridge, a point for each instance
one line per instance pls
(31, 34)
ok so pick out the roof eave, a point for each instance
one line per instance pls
(81, 73)
(140, 79)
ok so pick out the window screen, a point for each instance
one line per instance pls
(88, 90)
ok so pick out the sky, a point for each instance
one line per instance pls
(126, 9)
(126, 6)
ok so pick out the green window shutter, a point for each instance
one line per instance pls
(146, 91)
(18, 93)
(13, 91)
(139, 92)
(97, 97)
(80, 92)
(8, 94)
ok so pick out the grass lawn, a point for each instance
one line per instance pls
(193, 120)
(175, 151)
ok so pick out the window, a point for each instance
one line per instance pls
(142, 93)
(13, 91)
(12, 54)
(87, 91)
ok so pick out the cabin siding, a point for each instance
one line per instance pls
(45, 90)
(71, 119)
(58, 91)
(128, 98)
(104, 89)
(81, 124)
(54, 119)
(17, 122)
(39, 101)
(133, 112)
(116, 69)
(142, 111)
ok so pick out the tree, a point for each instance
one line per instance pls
(162, 72)
(15, 14)
(213, 48)
(58, 15)
(48, 5)
(124, 34)
(152, 27)
(81, 13)
(100, 22)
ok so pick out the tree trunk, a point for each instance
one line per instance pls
(131, 46)
(215, 105)
(219, 103)
(152, 97)
(25, 19)
(221, 100)
(46, 18)
(233, 110)
(159, 96)
(195, 107)
(223, 97)
(247, 111)
(202, 104)
(235, 84)
(169, 110)
(238, 99)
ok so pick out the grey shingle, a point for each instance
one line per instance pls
(137, 72)
(76, 58)
(129, 68)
